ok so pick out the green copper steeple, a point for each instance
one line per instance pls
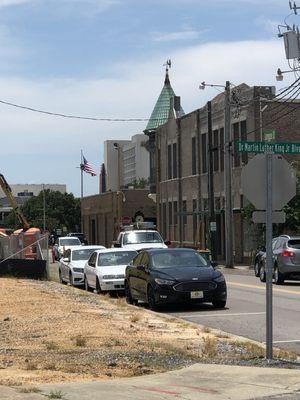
(160, 113)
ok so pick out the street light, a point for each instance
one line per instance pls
(279, 76)
(118, 148)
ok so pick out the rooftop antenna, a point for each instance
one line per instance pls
(294, 7)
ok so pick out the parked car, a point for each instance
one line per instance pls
(140, 239)
(286, 259)
(105, 269)
(63, 243)
(71, 266)
(80, 235)
(259, 258)
(159, 276)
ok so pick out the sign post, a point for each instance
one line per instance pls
(269, 183)
(269, 262)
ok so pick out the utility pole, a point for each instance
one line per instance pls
(227, 183)
(227, 173)
(210, 182)
(44, 209)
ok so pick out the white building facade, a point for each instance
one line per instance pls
(126, 161)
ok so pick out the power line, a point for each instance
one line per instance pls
(76, 116)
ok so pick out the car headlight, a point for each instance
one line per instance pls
(164, 281)
(78, 269)
(219, 279)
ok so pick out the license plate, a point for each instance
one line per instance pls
(196, 295)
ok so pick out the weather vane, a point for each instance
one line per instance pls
(168, 64)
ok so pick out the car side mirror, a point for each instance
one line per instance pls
(141, 267)
(168, 243)
(66, 260)
(214, 264)
(116, 244)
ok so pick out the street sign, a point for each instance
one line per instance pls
(213, 226)
(269, 135)
(263, 147)
(259, 217)
(126, 220)
(254, 182)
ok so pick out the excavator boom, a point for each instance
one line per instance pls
(7, 190)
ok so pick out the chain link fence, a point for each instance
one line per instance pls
(24, 254)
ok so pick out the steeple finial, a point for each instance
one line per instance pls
(167, 65)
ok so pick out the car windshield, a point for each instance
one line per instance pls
(184, 259)
(294, 244)
(142, 237)
(82, 254)
(69, 242)
(116, 258)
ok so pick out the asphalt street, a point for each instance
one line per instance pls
(245, 311)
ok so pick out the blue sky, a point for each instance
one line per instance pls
(104, 58)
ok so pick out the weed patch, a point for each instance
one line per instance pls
(209, 349)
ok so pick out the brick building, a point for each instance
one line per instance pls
(102, 214)
(182, 166)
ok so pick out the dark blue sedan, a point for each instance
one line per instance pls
(161, 276)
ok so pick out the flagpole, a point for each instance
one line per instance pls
(81, 170)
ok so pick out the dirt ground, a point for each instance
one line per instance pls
(55, 333)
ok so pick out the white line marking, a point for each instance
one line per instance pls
(219, 315)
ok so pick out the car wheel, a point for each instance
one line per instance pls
(151, 299)
(262, 274)
(129, 298)
(71, 279)
(60, 277)
(98, 287)
(278, 276)
(256, 268)
(86, 285)
(219, 303)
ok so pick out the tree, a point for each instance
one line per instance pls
(61, 209)
(140, 183)
(292, 210)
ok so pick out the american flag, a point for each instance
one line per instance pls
(86, 167)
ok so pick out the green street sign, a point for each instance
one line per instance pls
(269, 135)
(263, 147)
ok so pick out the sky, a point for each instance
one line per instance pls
(104, 58)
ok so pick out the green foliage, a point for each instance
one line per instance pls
(141, 183)
(292, 210)
(247, 212)
(62, 210)
(11, 221)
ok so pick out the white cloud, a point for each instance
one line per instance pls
(176, 36)
(45, 149)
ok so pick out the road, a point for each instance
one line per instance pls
(245, 311)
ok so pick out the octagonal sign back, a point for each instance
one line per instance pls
(254, 182)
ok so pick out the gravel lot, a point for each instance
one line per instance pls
(55, 333)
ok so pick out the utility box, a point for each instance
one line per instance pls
(291, 44)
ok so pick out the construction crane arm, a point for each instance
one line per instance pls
(8, 192)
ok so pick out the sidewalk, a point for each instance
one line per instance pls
(198, 382)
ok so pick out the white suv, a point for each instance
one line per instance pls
(140, 239)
